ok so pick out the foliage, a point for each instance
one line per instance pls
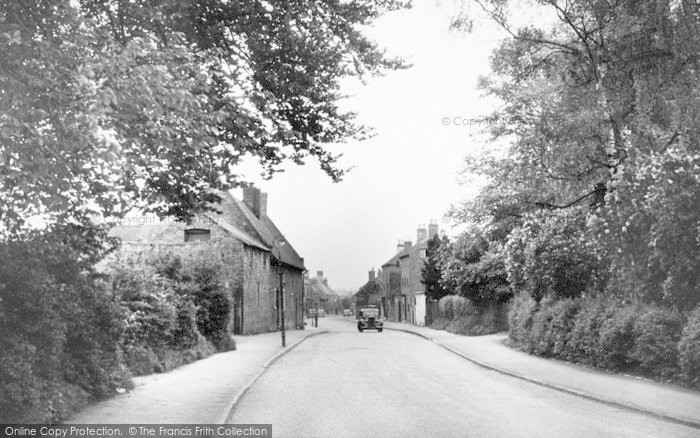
(431, 273)
(59, 327)
(460, 315)
(551, 254)
(657, 332)
(523, 307)
(689, 348)
(473, 267)
(607, 332)
(598, 151)
(108, 105)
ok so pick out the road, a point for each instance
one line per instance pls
(394, 384)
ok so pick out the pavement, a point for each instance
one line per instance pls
(395, 384)
(200, 392)
(663, 401)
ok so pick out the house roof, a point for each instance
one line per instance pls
(135, 232)
(243, 237)
(268, 233)
(393, 261)
(316, 287)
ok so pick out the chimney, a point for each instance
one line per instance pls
(255, 201)
(325, 282)
(422, 233)
(407, 245)
(371, 275)
(432, 229)
(399, 246)
(319, 274)
(263, 205)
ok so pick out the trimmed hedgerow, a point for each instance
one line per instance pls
(689, 349)
(657, 332)
(609, 333)
(461, 316)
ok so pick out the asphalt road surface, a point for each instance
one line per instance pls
(393, 384)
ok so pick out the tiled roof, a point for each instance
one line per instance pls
(240, 235)
(268, 232)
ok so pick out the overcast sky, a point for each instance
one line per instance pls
(407, 174)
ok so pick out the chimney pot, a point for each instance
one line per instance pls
(371, 275)
(407, 245)
(422, 233)
(319, 274)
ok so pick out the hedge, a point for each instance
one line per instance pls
(459, 315)
(609, 333)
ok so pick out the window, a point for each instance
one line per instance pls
(423, 253)
(197, 235)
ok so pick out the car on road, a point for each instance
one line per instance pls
(368, 319)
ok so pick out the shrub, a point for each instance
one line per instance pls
(59, 328)
(563, 318)
(541, 334)
(445, 306)
(520, 316)
(440, 323)
(657, 332)
(689, 348)
(617, 336)
(584, 342)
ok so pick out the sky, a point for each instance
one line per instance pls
(407, 174)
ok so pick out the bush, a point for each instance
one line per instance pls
(563, 319)
(59, 328)
(541, 333)
(520, 321)
(617, 337)
(584, 342)
(689, 349)
(657, 332)
(446, 307)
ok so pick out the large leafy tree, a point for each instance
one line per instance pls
(600, 112)
(111, 104)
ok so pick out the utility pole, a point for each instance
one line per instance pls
(280, 272)
(284, 336)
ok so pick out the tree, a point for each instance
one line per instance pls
(600, 113)
(473, 267)
(108, 104)
(430, 272)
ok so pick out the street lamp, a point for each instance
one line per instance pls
(281, 241)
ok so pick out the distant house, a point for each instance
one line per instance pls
(370, 293)
(249, 244)
(404, 296)
(319, 295)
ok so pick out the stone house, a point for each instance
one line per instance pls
(404, 296)
(252, 248)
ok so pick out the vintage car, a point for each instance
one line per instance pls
(368, 319)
